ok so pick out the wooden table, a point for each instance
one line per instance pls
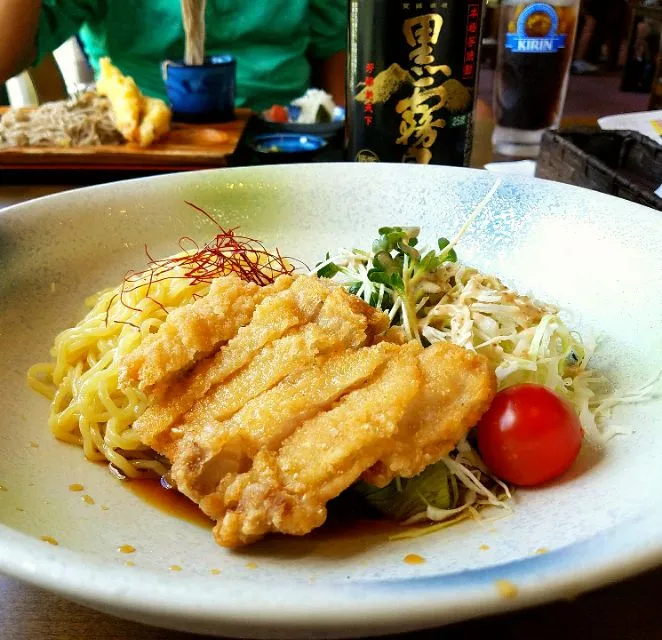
(629, 610)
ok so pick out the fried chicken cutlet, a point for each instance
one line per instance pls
(288, 328)
(309, 395)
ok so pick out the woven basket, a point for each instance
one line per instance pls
(621, 163)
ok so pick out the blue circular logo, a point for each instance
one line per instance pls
(537, 7)
(550, 42)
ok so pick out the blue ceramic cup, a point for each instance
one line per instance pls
(202, 93)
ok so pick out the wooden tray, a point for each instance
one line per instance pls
(186, 147)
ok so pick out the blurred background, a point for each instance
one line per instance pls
(617, 64)
(616, 69)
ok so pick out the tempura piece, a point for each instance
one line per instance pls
(155, 121)
(125, 99)
(137, 117)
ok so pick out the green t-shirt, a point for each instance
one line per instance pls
(272, 40)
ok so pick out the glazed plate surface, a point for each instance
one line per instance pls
(596, 257)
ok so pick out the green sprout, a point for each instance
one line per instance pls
(396, 268)
(329, 270)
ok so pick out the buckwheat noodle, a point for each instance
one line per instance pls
(83, 120)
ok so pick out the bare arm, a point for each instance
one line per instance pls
(19, 20)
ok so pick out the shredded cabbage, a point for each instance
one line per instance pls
(433, 297)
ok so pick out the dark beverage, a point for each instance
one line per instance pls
(412, 71)
(535, 51)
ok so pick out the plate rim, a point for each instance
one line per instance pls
(399, 605)
(250, 172)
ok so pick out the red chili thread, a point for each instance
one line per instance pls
(130, 324)
(227, 253)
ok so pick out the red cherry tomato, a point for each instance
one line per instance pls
(529, 435)
(277, 113)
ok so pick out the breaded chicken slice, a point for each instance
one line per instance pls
(273, 317)
(124, 96)
(195, 331)
(458, 387)
(279, 359)
(220, 450)
(301, 391)
(341, 313)
(283, 357)
(287, 490)
(342, 324)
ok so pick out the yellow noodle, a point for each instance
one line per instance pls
(87, 407)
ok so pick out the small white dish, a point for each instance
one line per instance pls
(648, 123)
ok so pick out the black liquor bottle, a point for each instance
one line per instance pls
(411, 80)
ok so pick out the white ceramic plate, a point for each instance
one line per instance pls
(596, 256)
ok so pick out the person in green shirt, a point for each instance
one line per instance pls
(282, 46)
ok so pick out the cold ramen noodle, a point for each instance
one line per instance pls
(262, 392)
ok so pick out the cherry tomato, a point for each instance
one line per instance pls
(277, 113)
(529, 435)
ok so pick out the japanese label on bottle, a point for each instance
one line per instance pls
(412, 75)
